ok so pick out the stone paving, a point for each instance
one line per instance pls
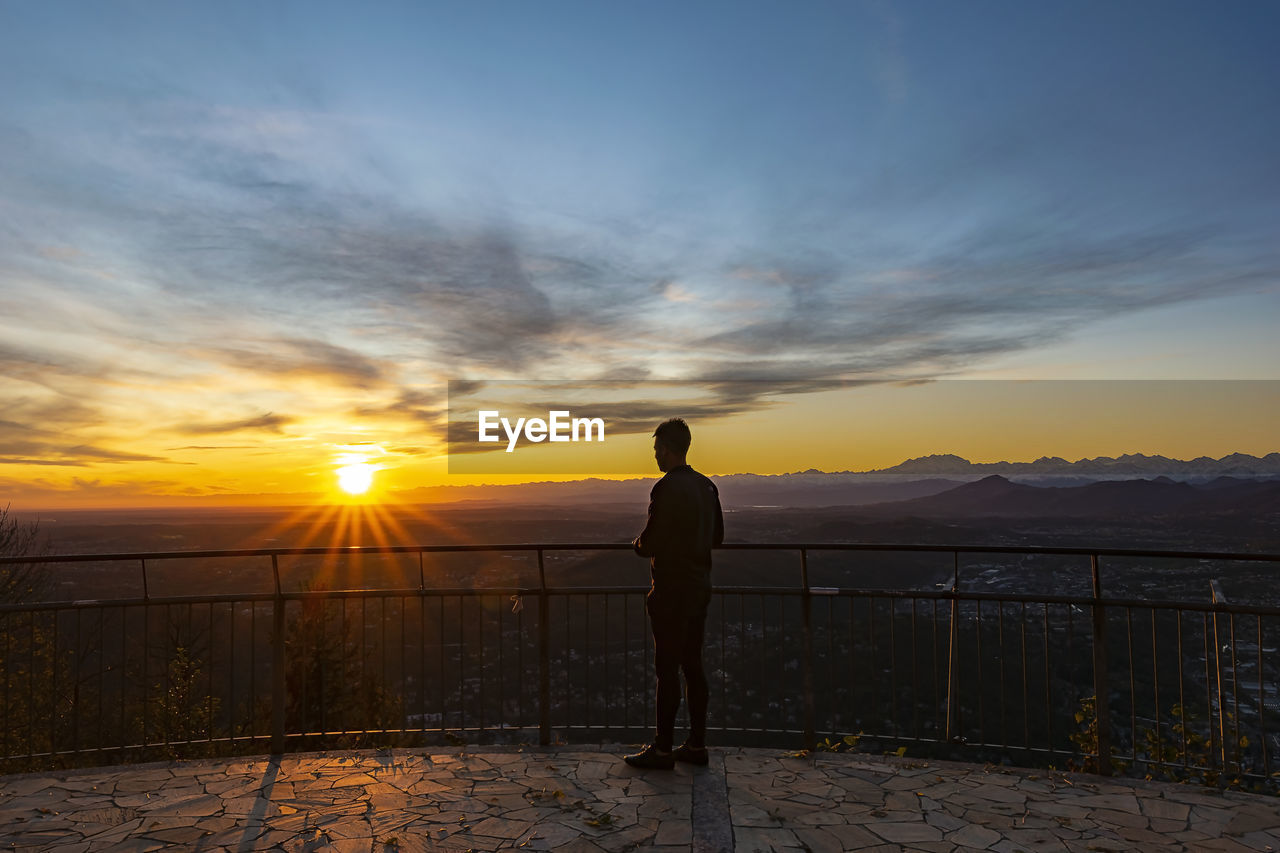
(583, 799)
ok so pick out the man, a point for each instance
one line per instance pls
(685, 523)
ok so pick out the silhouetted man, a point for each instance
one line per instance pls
(685, 523)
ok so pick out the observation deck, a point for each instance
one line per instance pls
(585, 799)
(490, 677)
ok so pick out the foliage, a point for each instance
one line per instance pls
(27, 665)
(845, 744)
(186, 711)
(30, 703)
(1086, 739)
(21, 582)
(327, 683)
(1185, 750)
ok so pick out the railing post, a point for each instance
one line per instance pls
(806, 611)
(1101, 699)
(277, 663)
(953, 655)
(146, 648)
(544, 655)
(1215, 594)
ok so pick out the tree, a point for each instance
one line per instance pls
(327, 685)
(26, 658)
(21, 582)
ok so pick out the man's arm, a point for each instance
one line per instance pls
(658, 527)
(717, 536)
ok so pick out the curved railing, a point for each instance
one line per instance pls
(1090, 657)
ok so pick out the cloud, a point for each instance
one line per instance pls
(1001, 289)
(464, 387)
(414, 405)
(101, 453)
(28, 460)
(293, 357)
(11, 431)
(268, 423)
(221, 217)
(23, 444)
(79, 456)
(673, 292)
(223, 236)
(44, 366)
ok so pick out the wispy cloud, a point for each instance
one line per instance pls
(26, 444)
(998, 290)
(79, 456)
(351, 289)
(674, 292)
(181, 256)
(86, 452)
(267, 423)
(305, 358)
(416, 406)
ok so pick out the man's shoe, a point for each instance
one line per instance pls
(651, 758)
(691, 754)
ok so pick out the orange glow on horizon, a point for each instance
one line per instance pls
(311, 463)
(378, 522)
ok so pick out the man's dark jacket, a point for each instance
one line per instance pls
(685, 523)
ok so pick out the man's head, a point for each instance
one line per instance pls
(671, 444)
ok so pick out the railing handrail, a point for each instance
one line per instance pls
(1176, 604)
(626, 546)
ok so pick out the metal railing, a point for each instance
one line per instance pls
(1064, 674)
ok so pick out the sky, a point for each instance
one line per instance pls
(245, 244)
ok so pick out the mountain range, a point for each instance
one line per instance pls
(1129, 464)
(917, 478)
(999, 496)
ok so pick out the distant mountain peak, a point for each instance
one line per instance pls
(936, 462)
(996, 495)
(1127, 464)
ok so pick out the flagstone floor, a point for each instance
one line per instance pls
(581, 799)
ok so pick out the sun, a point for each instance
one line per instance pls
(356, 479)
